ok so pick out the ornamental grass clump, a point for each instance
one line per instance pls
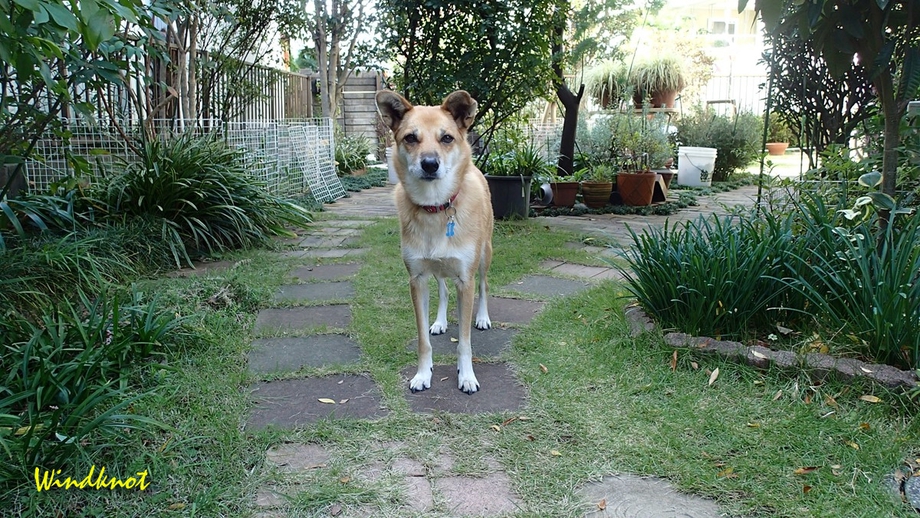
(713, 277)
(204, 195)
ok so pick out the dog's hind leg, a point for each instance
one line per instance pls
(440, 323)
(466, 379)
(482, 314)
(418, 286)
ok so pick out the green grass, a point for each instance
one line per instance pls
(607, 403)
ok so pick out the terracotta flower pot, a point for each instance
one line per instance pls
(636, 189)
(596, 194)
(564, 193)
(777, 148)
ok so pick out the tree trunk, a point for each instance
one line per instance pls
(570, 102)
(192, 103)
(892, 140)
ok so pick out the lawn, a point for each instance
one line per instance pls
(761, 443)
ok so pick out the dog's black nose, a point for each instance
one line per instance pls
(430, 165)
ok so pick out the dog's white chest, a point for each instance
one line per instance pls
(439, 255)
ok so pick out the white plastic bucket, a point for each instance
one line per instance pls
(695, 165)
(391, 171)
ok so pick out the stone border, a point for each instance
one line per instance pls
(844, 369)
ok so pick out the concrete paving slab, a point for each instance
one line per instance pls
(418, 493)
(292, 354)
(295, 458)
(486, 496)
(336, 253)
(499, 391)
(513, 311)
(486, 344)
(630, 496)
(325, 272)
(292, 403)
(578, 270)
(546, 286)
(315, 292)
(349, 223)
(320, 241)
(290, 319)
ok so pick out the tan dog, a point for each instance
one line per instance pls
(445, 216)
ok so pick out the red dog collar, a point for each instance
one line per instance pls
(442, 207)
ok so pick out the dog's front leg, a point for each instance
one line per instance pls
(440, 323)
(466, 379)
(418, 286)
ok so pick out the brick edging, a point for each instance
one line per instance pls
(823, 365)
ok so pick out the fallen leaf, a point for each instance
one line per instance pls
(496, 427)
(830, 401)
(807, 399)
(454, 340)
(758, 354)
(806, 470)
(867, 371)
(783, 330)
(758, 382)
(728, 472)
(530, 437)
(523, 418)
(509, 421)
(870, 399)
(543, 368)
(753, 425)
(555, 453)
(806, 489)
(674, 361)
(341, 381)
(335, 510)
(696, 366)
(345, 480)
(713, 376)
(176, 506)
(779, 394)
(445, 378)
(853, 445)
(864, 426)
(326, 401)
(602, 505)
(343, 401)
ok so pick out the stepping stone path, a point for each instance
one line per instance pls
(304, 332)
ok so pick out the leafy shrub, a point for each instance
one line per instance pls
(202, 194)
(624, 140)
(351, 153)
(59, 382)
(65, 208)
(715, 278)
(737, 140)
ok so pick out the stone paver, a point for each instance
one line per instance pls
(293, 458)
(486, 496)
(373, 202)
(499, 391)
(294, 403)
(334, 253)
(487, 344)
(629, 496)
(912, 492)
(292, 319)
(315, 292)
(513, 311)
(325, 272)
(546, 286)
(291, 354)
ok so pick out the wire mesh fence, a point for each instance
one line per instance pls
(291, 157)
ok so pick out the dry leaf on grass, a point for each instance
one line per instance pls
(696, 366)
(326, 401)
(870, 399)
(674, 361)
(345, 480)
(496, 427)
(728, 472)
(543, 368)
(555, 453)
(753, 425)
(853, 445)
(805, 470)
(713, 376)
(779, 394)
(176, 506)
(806, 489)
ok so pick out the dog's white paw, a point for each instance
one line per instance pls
(421, 381)
(483, 323)
(438, 327)
(468, 384)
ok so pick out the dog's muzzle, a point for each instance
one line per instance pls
(430, 168)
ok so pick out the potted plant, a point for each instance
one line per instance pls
(778, 136)
(509, 175)
(597, 184)
(659, 79)
(607, 83)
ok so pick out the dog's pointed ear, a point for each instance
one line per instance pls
(462, 108)
(392, 108)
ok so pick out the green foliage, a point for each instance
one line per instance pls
(608, 83)
(512, 158)
(65, 375)
(499, 51)
(737, 140)
(627, 141)
(661, 73)
(351, 153)
(711, 278)
(203, 195)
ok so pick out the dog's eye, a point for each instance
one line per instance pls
(410, 139)
(447, 139)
